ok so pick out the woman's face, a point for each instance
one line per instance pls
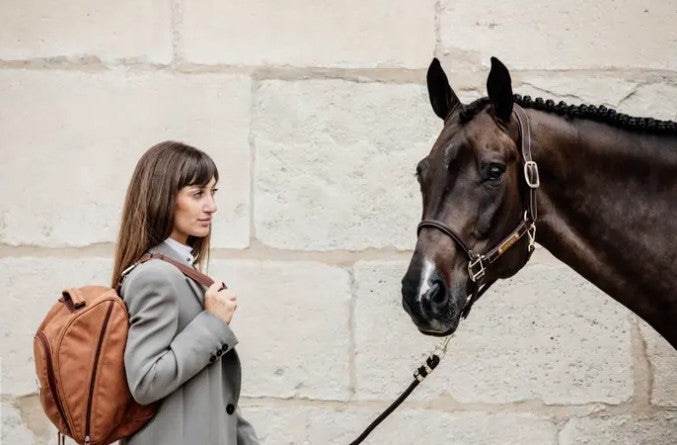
(193, 213)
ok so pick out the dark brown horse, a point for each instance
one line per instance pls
(606, 204)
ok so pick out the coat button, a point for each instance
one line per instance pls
(224, 348)
(219, 352)
(212, 358)
(230, 409)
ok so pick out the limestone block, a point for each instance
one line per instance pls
(527, 34)
(277, 425)
(545, 334)
(31, 286)
(663, 364)
(347, 34)
(71, 141)
(12, 427)
(293, 326)
(35, 420)
(466, 428)
(125, 29)
(660, 429)
(652, 100)
(304, 425)
(633, 97)
(575, 88)
(335, 163)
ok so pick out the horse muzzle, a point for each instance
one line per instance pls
(430, 305)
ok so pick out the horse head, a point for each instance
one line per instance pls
(472, 185)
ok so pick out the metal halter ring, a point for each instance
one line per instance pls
(531, 232)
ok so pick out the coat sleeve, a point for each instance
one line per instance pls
(245, 431)
(158, 358)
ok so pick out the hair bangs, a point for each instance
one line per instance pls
(197, 169)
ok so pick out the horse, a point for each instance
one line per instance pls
(596, 188)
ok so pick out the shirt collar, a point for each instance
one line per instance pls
(184, 250)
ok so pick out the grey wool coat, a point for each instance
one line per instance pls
(183, 356)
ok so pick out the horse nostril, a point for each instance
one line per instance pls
(438, 294)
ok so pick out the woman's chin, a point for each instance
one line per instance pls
(200, 233)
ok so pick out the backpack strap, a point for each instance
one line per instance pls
(187, 271)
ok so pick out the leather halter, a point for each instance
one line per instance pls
(478, 263)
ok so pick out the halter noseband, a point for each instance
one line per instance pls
(478, 263)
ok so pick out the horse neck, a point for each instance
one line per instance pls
(607, 209)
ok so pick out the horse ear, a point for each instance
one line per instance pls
(500, 90)
(442, 97)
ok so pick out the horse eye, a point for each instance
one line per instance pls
(492, 172)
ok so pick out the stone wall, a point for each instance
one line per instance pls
(316, 114)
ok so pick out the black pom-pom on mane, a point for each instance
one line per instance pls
(591, 112)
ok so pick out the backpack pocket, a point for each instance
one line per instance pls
(44, 369)
(97, 382)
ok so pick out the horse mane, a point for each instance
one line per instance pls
(591, 112)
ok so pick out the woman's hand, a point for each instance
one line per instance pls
(221, 303)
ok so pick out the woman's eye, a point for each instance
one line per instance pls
(197, 194)
(492, 172)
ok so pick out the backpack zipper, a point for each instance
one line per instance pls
(96, 363)
(51, 380)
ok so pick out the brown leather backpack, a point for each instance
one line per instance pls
(79, 360)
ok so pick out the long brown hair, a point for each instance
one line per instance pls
(148, 211)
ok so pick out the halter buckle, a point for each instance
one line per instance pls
(531, 174)
(476, 274)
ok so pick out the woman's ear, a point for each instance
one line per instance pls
(500, 90)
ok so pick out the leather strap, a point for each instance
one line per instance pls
(477, 293)
(446, 229)
(507, 242)
(489, 257)
(187, 271)
(530, 168)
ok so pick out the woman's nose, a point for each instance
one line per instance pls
(211, 205)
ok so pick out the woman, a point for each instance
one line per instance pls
(180, 348)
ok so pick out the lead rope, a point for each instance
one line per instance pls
(421, 373)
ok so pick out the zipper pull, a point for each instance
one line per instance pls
(87, 440)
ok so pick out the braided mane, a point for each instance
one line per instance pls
(591, 112)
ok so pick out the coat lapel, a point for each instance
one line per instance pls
(164, 249)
